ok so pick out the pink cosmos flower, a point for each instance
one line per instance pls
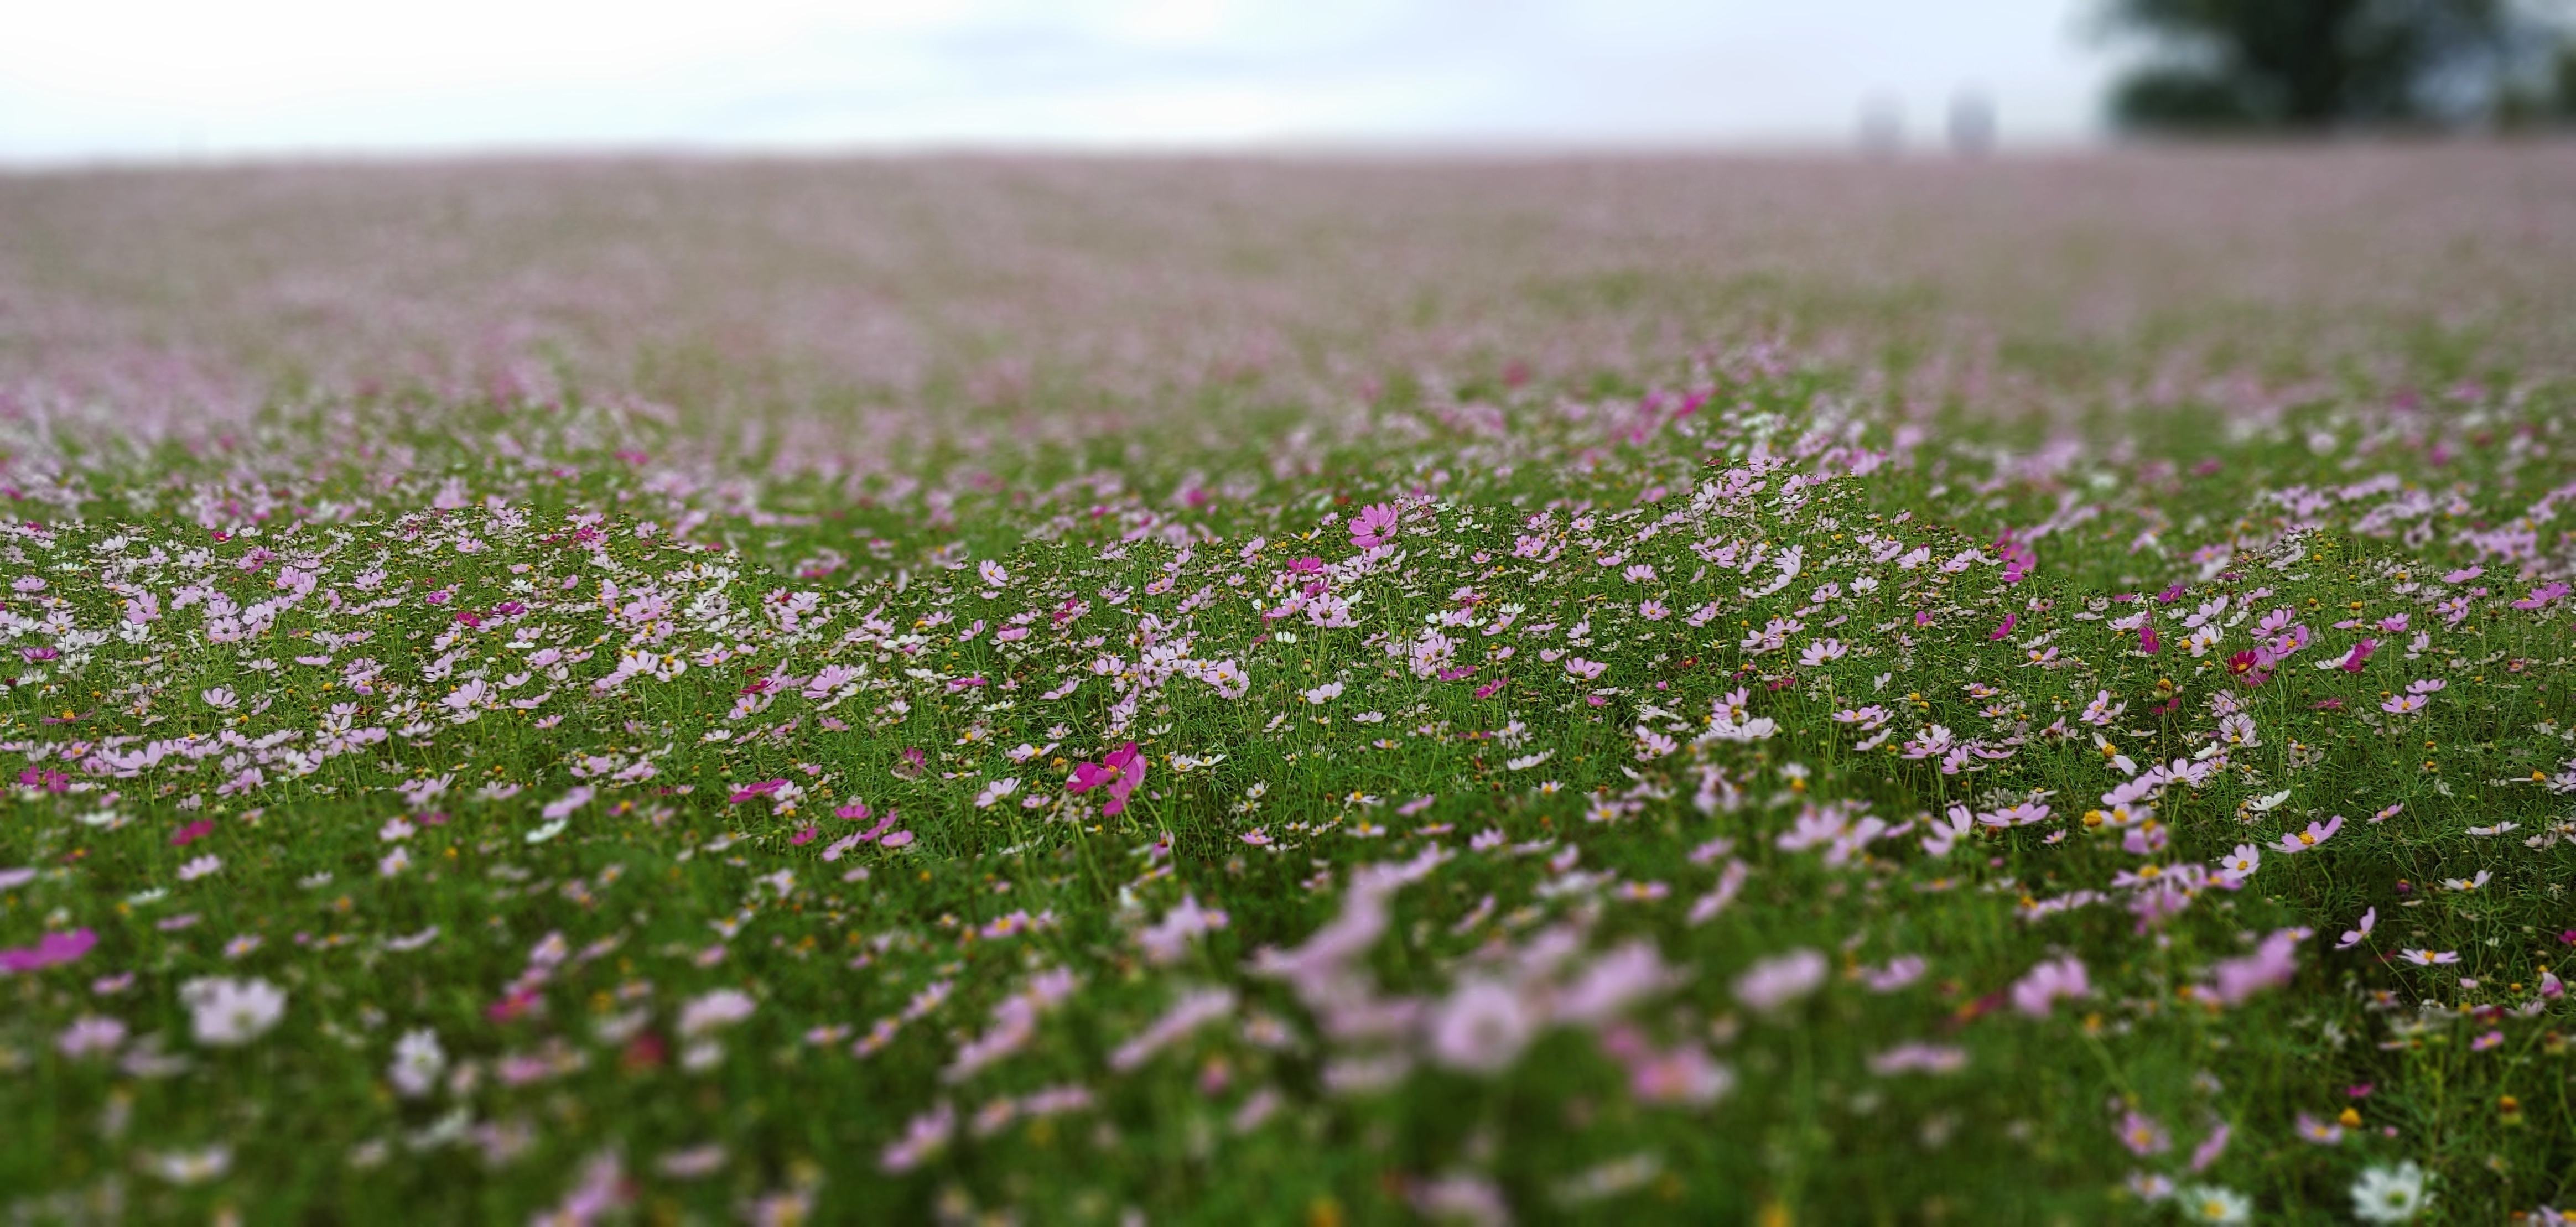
(1482, 1027)
(1373, 526)
(2019, 815)
(763, 788)
(2427, 958)
(2003, 628)
(1776, 982)
(2317, 833)
(1899, 972)
(2210, 1147)
(925, 1135)
(2147, 640)
(1120, 769)
(2353, 937)
(2361, 651)
(2035, 993)
(1918, 1057)
(2270, 966)
(2143, 1135)
(2320, 1132)
(1683, 1074)
(2543, 596)
(858, 813)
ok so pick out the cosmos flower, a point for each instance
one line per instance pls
(1483, 1026)
(90, 1035)
(2385, 1194)
(418, 1062)
(2209, 1203)
(2270, 966)
(1774, 983)
(226, 1012)
(49, 950)
(189, 1167)
(2040, 988)
(2317, 833)
(714, 1011)
(2143, 1134)
(1121, 769)
(1374, 526)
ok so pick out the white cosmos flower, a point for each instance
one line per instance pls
(716, 1010)
(226, 1011)
(2390, 1195)
(185, 1167)
(418, 1061)
(2209, 1203)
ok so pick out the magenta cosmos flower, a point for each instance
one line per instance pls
(1120, 769)
(49, 950)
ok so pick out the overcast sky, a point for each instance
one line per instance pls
(154, 79)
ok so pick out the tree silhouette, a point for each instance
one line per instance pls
(2316, 64)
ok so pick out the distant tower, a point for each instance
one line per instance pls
(1882, 126)
(1972, 124)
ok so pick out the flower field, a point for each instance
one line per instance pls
(1702, 782)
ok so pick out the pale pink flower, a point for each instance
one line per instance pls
(2036, 992)
(1483, 1026)
(2317, 833)
(1919, 1058)
(1900, 971)
(1773, 983)
(2143, 1135)
(925, 1135)
(2270, 966)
